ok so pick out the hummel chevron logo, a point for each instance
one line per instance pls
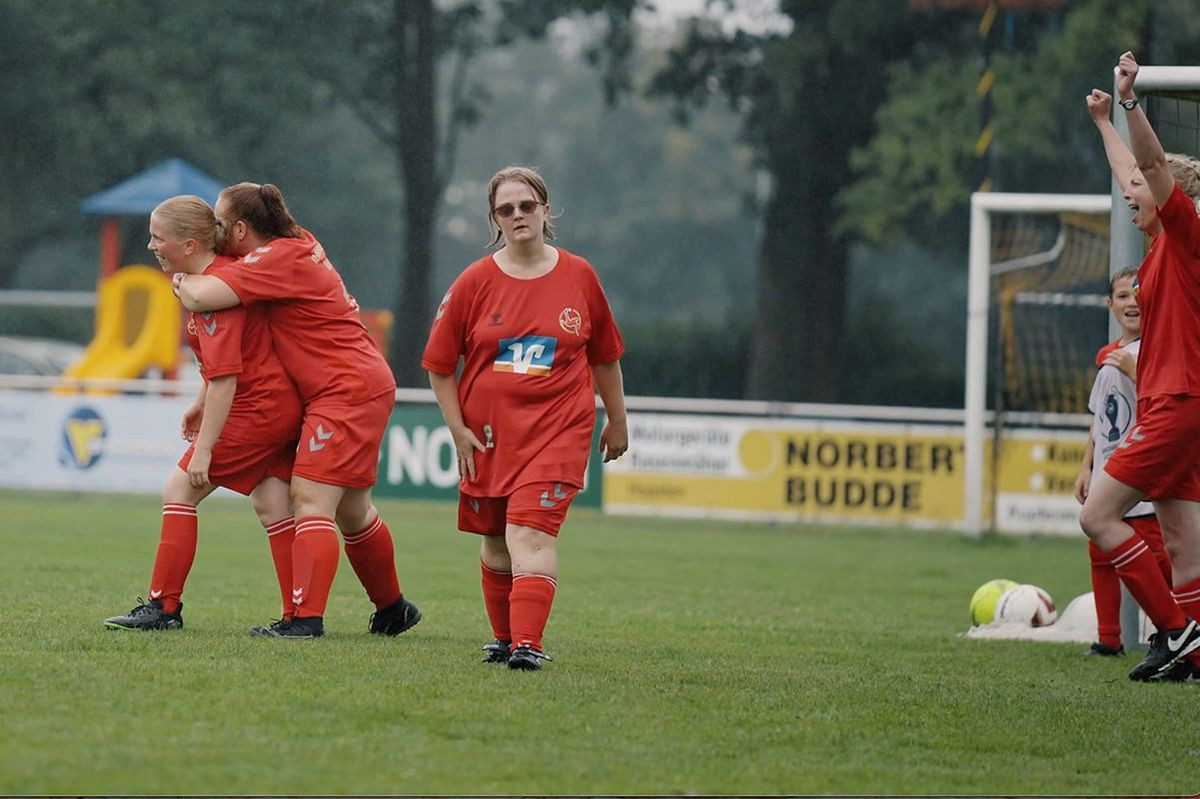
(251, 258)
(1174, 644)
(211, 327)
(313, 446)
(1133, 436)
(298, 595)
(545, 500)
(155, 594)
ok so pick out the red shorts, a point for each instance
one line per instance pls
(240, 466)
(1159, 453)
(339, 444)
(542, 506)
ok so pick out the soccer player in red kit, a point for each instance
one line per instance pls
(537, 339)
(347, 391)
(1157, 457)
(243, 425)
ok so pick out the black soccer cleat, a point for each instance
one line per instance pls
(395, 618)
(1167, 647)
(526, 658)
(147, 616)
(496, 651)
(1183, 671)
(1106, 651)
(270, 630)
(295, 629)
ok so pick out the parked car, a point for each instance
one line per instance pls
(21, 355)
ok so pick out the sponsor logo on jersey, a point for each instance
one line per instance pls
(82, 443)
(570, 320)
(526, 355)
(494, 320)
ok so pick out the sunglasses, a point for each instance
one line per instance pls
(508, 209)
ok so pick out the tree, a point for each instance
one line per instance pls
(807, 95)
(404, 50)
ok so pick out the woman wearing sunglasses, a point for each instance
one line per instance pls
(537, 339)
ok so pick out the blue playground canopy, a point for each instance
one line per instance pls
(141, 193)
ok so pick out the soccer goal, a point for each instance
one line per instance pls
(1039, 269)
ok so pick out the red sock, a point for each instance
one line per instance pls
(1139, 571)
(1151, 533)
(529, 607)
(496, 588)
(280, 536)
(176, 551)
(314, 563)
(1188, 598)
(371, 554)
(1106, 590)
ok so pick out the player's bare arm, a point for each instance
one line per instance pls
(1151, 158)
(1120, 159)
(614, 438)
(445, 390)
(204, 293)
(217, 402)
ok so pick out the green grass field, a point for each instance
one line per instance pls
(691, 657)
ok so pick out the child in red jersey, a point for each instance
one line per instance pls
(243, 425)
(347, 393)
(537, 339)
(1157, 458)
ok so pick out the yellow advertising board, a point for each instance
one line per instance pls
(853, 471)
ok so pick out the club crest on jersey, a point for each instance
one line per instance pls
(570, 320)
(526, 355)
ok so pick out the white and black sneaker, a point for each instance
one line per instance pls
(147, 616)
(1167, 647)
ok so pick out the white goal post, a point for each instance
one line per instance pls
(983, 205)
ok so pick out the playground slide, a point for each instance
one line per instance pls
(137, 327)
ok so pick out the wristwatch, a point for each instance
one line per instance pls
(1129, 104)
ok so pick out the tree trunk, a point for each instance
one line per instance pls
(800, 309)
(417, 148)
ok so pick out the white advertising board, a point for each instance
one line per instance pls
(89, 442)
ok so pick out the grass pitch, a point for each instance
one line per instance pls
(691, 657)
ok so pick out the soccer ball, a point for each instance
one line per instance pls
(983, 601)
(1026, 604)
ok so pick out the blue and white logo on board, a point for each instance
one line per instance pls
(526, 355)
(82, 441)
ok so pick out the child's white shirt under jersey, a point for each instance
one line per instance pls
(1113, 404)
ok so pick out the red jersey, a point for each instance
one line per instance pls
(317, 331)
(526, 385)
(1103, 352)
(237, 341)
(1168, 292)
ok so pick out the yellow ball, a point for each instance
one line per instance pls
(983, 601)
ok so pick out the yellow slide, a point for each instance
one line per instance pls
(137, 327)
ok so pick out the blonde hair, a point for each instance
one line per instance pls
(189, 217)
(518, 174)
(1186, 171)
